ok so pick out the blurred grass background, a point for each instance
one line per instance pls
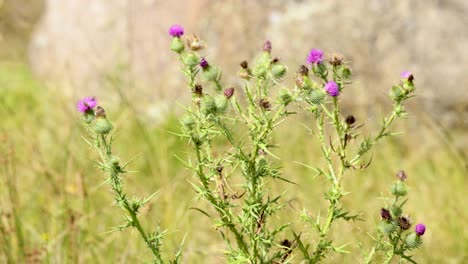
(54, 208)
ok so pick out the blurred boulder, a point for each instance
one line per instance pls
(81, 44)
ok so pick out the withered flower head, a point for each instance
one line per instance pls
(244, 64)
(100, 112)
(198, 90)
(404, 222)
(303, 70)
(264, 103)
(385, 214)
(335, 59)
(401, 175)
(267, 46)
(195, 43)
(350, 120)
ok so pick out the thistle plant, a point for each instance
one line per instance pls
(101, 140)
(230, 131)
(342, 148)
(394, 238)
(243, 211)
(246, 125)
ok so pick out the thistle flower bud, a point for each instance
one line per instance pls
(396, 211)
(345, 72)
(229, 92)
(114, 161)
(316, 97)
(387, 227)
(267, 46)
(413, 241)
(102, 126)
(285, 97)
(208, 106)
(188, 123)
(177, 45)
(399, 189)
(204, 64)
(190, 59)
(221, 103)
(278, 70)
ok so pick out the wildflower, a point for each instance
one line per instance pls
(335, 59)
(303, 70)
(332, 89)
(406, 75)
(86, 104)
(264, 103)
(401, 175)
(420, 229)
(315, 56)
(176, 31)
(244, 65)
(350, 120)
(195, 43)
(404, 222)
(385, 214)
(267, 46)
(203, 63)
(229, 92)
(198, 90)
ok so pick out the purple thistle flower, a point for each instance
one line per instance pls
(420, 229)
(406, 75)
(176, 30)
(86, 104)
(203, 63)
(315, 56)
(267, 46)
(332, 89)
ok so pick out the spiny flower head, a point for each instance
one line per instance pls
(315, 56)
(176, 30)
(332, 89)
(420, 229)
(86, 104)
